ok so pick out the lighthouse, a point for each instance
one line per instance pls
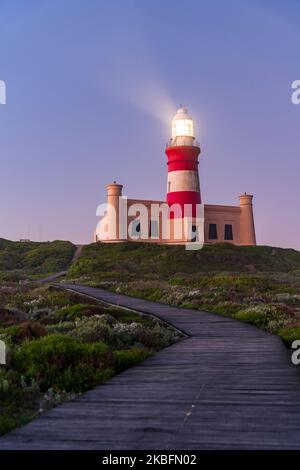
(183, 188)
(181, 218)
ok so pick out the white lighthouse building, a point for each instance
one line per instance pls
(182, 217)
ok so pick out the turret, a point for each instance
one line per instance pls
(114, 193)
(247, 229)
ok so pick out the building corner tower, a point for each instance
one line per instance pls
(114, 193)
(247, 228)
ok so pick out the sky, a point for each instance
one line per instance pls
(92, 87)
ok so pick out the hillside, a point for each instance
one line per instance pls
(129, 260)
(21, 259)
(258, 285)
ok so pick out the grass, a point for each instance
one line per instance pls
(290, 334)
(18, 260)
(126, 260)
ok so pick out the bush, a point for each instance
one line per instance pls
(268, 316)
(26, 331)
(73, 313)
(92, 330)
(18, 404)
(36, 258)
(29, 331)
(9, 333)
(8, 317)
(289, 334)
(254, 317)
(135, 334)
(63, 363)
(40, 313)
(61, 327)
(157, 337)
(129, 357)
(50, 297)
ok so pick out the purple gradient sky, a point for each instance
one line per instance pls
(91, 89)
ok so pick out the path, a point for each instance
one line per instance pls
(227, 386)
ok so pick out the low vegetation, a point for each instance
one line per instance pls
(19, 260)
(61, 344)
(257, 285)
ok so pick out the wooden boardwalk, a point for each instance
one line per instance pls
(226, 386)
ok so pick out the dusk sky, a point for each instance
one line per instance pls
(91, 90)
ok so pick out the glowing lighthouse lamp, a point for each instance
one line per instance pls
(182, 127)
(182, 152)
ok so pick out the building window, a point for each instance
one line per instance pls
(136, 228)
(153, 229)
(213, 233)
(194, 237)
(228, 232)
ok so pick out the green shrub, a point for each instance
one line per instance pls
(34, 257)
(268, 316)
(289, 334)
(255, 318)
(178, 281)
(157, 337)
(9, 422)
(73, 313)
(229, 309)
(26, 331)
(63, 363)
(17, 404)
(61, 327)
(92, 330)
(50, 297)
(9, 333)
(129, 357)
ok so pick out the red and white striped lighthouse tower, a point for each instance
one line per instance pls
(183, 178)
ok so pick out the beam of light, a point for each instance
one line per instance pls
(130, 72)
